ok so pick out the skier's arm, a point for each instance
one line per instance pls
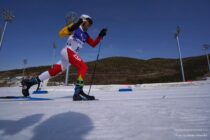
(67, 30)
(64, 32)
(94, 43)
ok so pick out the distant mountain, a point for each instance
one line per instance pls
(123, 70)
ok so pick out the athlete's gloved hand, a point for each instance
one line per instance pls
(103, 32)
(75, 25)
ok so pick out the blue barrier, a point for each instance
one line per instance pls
(40, 92)
(125, 89)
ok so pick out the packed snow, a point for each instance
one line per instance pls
(172, 111)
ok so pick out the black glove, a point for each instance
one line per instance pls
(75, 25)
(103, 32)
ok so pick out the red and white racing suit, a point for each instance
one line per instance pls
(69, 55)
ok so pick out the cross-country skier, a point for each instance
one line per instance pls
(77, 36)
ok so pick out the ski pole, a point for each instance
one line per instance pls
(94, 70)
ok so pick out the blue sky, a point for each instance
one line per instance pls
(137, 28)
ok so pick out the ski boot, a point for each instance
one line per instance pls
(79, 94)
(27, 84)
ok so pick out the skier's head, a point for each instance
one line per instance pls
(87, 22)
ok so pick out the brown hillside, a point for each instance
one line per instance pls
(123, 70)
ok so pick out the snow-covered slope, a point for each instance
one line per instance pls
(150, 112)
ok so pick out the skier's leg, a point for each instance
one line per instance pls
(55, 70)
(59, 67)
(77, 62)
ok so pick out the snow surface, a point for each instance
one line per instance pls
(173, 111)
